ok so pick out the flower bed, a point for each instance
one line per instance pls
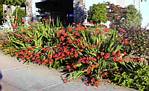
(89, 54)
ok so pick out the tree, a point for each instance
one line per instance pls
(116, 13)
(20, 13)
(1, 12)
(98, 12)
(13, 2)
(133, 18)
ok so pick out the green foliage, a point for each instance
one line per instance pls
(19, 13)
(98, 12)
(115, 15)
(139, 41)
(133, 75)
(133, 18)
(71, 49)
(1, 13)
(13, 2)
(76, 53)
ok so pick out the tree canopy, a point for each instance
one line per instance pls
(13, 2)
(98, 12)
(133, 17)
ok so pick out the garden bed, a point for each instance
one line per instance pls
(89, 54)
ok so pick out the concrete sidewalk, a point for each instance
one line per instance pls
(22, 77)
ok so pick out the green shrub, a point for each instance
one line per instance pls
(1, 13)
(132, 75)
(91, 54)
(138, 41)
(13, 2)
(98, 12)
(19, 13)
(70, 49)
(133, 18)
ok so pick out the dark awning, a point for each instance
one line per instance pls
(56, 5)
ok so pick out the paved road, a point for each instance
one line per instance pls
(23, 77)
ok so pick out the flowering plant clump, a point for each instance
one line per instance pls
(89, 54)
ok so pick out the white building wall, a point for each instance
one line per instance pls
(34, 9)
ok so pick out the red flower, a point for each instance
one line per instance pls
(76, 54)
(23, 20)
(69, 29)
(106, 29)
(114, 59)
(62, 38)
(113, 53)
(102, 54)
(118, 53)
(69, 40)
(107, 56)
(68, 67)
(77, 33)
(74, 66)
(51, 61)
(120, 60)
(14, 26)
(92, 58)
(125, 53)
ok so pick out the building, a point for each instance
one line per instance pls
(72, 10)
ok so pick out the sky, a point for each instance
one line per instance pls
(144, 6)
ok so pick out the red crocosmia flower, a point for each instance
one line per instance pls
(118, 53)
(102, 54)
(92, 58)
(76, 54)
(17, 54)
(46, 61)
(65, 34)
(14, 26)
(106, 29)
(120, 60)
(69, 41)
(114, 59)
(68, 67)
(107, 56)
(74, 66)
(62, 38)
(113, 53)
(68, 53)
(78, 40)
(69, 29)
(77, 33)
(73, 49)
(51, 61)
(125, 53)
